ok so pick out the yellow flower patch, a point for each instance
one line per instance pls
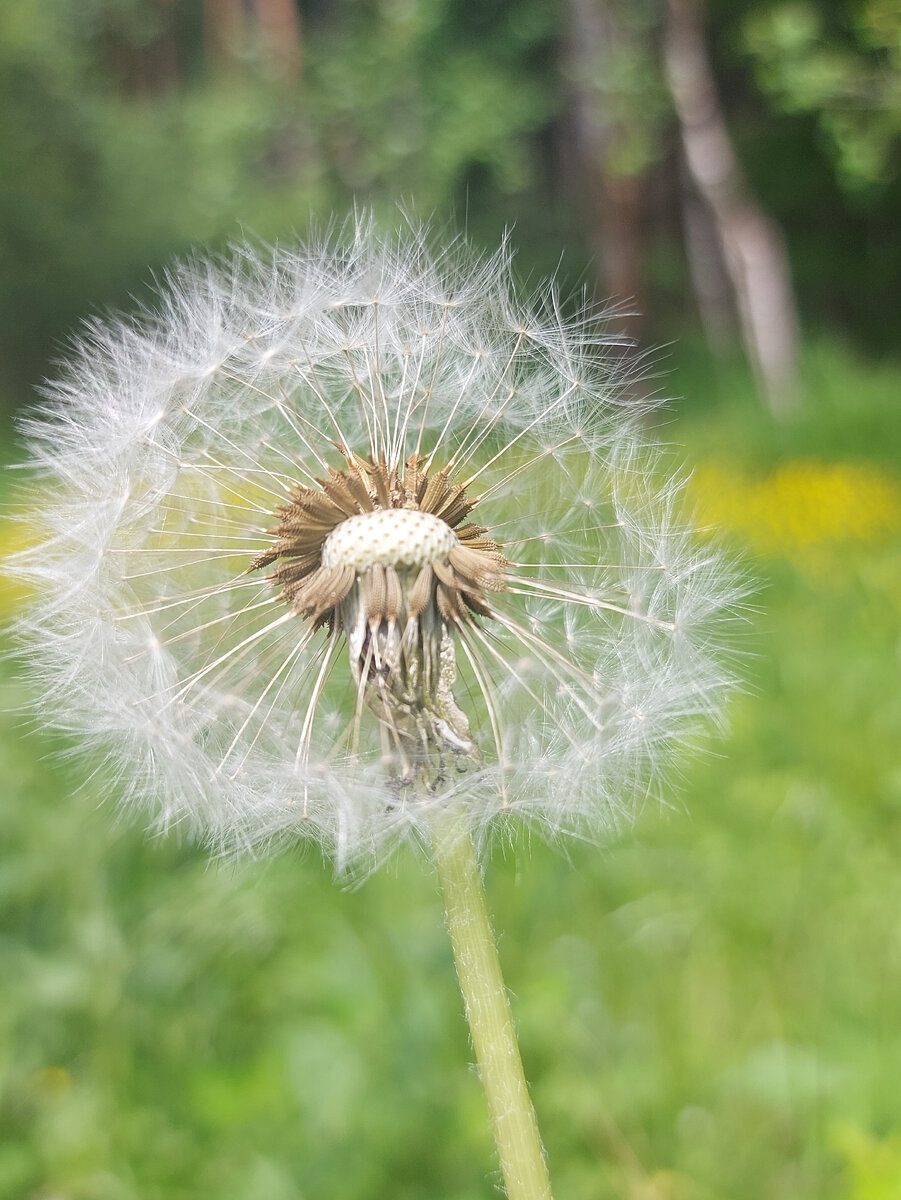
(803, 506)
(14, 535)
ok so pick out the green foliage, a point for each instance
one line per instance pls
(708, 1007)
(874, 1165)
(842, 64)
(103, 173)
(130, 137)
(407, 100)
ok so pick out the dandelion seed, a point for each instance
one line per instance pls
(337, 540)
(355, 546)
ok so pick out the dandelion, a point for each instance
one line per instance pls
(352, 545)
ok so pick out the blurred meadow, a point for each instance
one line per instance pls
(710, 1006)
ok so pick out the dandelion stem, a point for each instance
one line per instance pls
(488, 1013)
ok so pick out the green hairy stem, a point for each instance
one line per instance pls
(488, 1013)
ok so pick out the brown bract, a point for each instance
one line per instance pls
(454, 582)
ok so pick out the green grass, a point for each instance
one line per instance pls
(709, 1008)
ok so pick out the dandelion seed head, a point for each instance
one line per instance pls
(331, 538)
(392, 538)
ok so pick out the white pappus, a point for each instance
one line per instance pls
(337, 535)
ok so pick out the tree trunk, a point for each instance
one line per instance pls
(709, 276)
(224, 29)
(279, 22)
(612, 201)
(753, 245)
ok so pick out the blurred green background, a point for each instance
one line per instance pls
(709, 1008)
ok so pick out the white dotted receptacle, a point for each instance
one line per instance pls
(389, 537)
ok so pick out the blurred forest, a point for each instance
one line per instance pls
(674, 147)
